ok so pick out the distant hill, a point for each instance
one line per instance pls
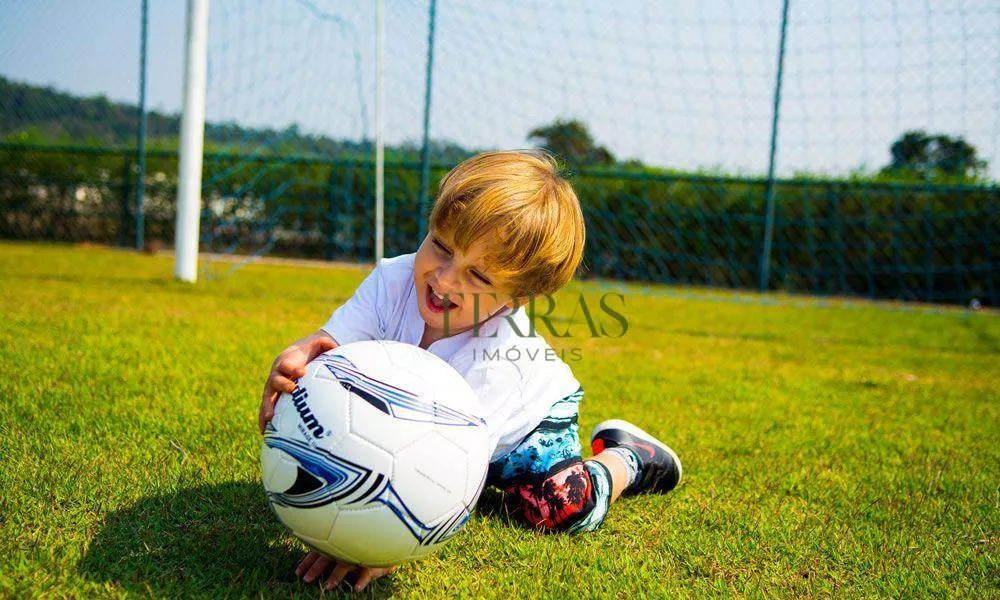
(36, 114)
(57, 116)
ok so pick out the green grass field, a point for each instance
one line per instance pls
(830, 448)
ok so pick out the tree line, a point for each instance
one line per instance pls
(33, 114)
(41, 115)
(924, 227)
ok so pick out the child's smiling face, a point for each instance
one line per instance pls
(456, 289)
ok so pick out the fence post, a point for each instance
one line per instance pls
(126, 197)
(897, 228)
(350, 209)
(331, 216)
(869, 244)
(679, 241)
(838, 240)
(140, 217)
(815, 269)
(765, 257)
(957, 243)
(987, 250)
(425, 154)
(928, 295)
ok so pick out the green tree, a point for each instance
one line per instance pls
(571, 141)
(918, 154)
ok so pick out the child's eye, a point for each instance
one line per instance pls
(441, 246)
(482, 278)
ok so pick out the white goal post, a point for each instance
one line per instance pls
(192, 143)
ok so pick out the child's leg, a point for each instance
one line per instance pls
(556, 489)
(617, 469)
(559, 491)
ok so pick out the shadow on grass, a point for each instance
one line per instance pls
(494, 505)
(210, 540)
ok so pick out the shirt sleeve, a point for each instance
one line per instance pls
(362, 317)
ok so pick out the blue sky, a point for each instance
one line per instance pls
(681, 84)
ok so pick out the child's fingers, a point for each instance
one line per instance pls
(280, 383)
(363, 580)
(306, 563)
(275, 386)
(365, 577)
(266, 407)
(338, 574)
(317, 568)
(290, 367)
(325, 343)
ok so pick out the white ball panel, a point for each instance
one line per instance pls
(286, 417)
(270, 459)
(383, 430)
(420, 551)
(364, 453)
(315, 544)
(430, 476)
(473, 487)
(475, 441)
(374, 537)
(278, 420)
(327, 548)
(327, 401)
(284, 473)
(315, 522)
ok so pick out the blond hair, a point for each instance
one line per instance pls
(527, 213)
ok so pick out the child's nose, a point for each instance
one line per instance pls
(447, 279)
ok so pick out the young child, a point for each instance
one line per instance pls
(505, 227)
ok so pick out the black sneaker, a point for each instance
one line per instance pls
(660, 469)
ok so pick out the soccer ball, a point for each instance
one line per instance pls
(378, 456)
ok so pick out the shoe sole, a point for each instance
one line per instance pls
(639, 433)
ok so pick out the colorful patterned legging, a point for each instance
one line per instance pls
(556, 489)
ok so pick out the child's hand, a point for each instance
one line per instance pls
(289, 366)
(315, 565)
